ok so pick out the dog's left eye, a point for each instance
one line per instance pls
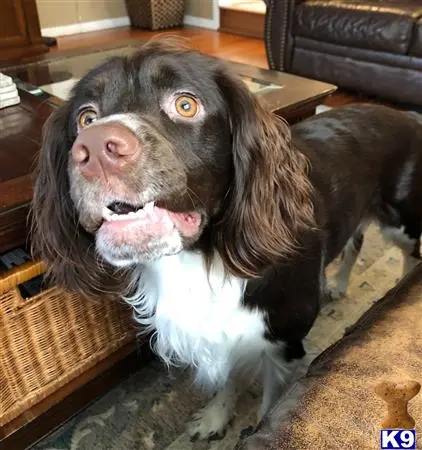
(86, 117)
(186, 106)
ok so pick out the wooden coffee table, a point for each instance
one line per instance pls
(292, 97)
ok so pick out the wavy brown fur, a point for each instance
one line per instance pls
(270, 200)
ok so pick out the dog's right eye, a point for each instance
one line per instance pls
(86, 117)
(186, 106)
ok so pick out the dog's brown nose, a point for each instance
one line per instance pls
(104, 149)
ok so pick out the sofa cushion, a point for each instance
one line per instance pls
(416, 47)
(375, 25)
(391, 82)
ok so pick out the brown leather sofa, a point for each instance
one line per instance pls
(368, 46)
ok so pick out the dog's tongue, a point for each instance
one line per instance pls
(149, 223)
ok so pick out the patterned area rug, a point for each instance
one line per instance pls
(149, 411)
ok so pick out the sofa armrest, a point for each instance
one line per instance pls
(278, 33)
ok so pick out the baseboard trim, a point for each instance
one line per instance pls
(84, 27)
(212, 24)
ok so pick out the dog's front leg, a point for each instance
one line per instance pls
(340, 283)
(278, 372)
(275, 371)
(211, 421)
(272, 387)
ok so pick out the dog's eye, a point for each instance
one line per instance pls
(86, 117)
(186, 106)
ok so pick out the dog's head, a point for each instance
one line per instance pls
(162, 151)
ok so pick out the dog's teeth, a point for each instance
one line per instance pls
(140, 213)
(117, 217)
(149, 207)
(107, 213)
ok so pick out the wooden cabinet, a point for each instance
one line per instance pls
(20, 34)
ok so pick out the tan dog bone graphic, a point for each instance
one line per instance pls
(397, 397)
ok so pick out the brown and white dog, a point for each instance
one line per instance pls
(164, 181)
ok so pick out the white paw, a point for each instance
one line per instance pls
(210, 422)
(336, 291)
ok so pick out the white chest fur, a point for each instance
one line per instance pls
(198, 316)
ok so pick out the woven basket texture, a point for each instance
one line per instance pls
(51, 338)
(155, 14)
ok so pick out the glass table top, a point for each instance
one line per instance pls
(56, 76)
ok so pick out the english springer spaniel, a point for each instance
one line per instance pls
(164, 181)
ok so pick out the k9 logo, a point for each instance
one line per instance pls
(398, 439)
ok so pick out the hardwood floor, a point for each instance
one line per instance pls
(223, 45)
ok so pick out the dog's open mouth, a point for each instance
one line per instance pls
(126, 211)
(148, 221)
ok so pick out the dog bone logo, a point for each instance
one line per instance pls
(397, 397)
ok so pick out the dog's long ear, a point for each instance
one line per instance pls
(270, 200)
(56, 236)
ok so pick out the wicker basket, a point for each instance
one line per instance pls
(155, 14)
(50, 339)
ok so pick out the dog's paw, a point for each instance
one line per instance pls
(336, 291)
(210, 423)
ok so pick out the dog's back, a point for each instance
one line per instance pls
(366, 163)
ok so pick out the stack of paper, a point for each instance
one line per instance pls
(8, 92)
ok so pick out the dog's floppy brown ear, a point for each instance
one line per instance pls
(56, 236)
(270, 199)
